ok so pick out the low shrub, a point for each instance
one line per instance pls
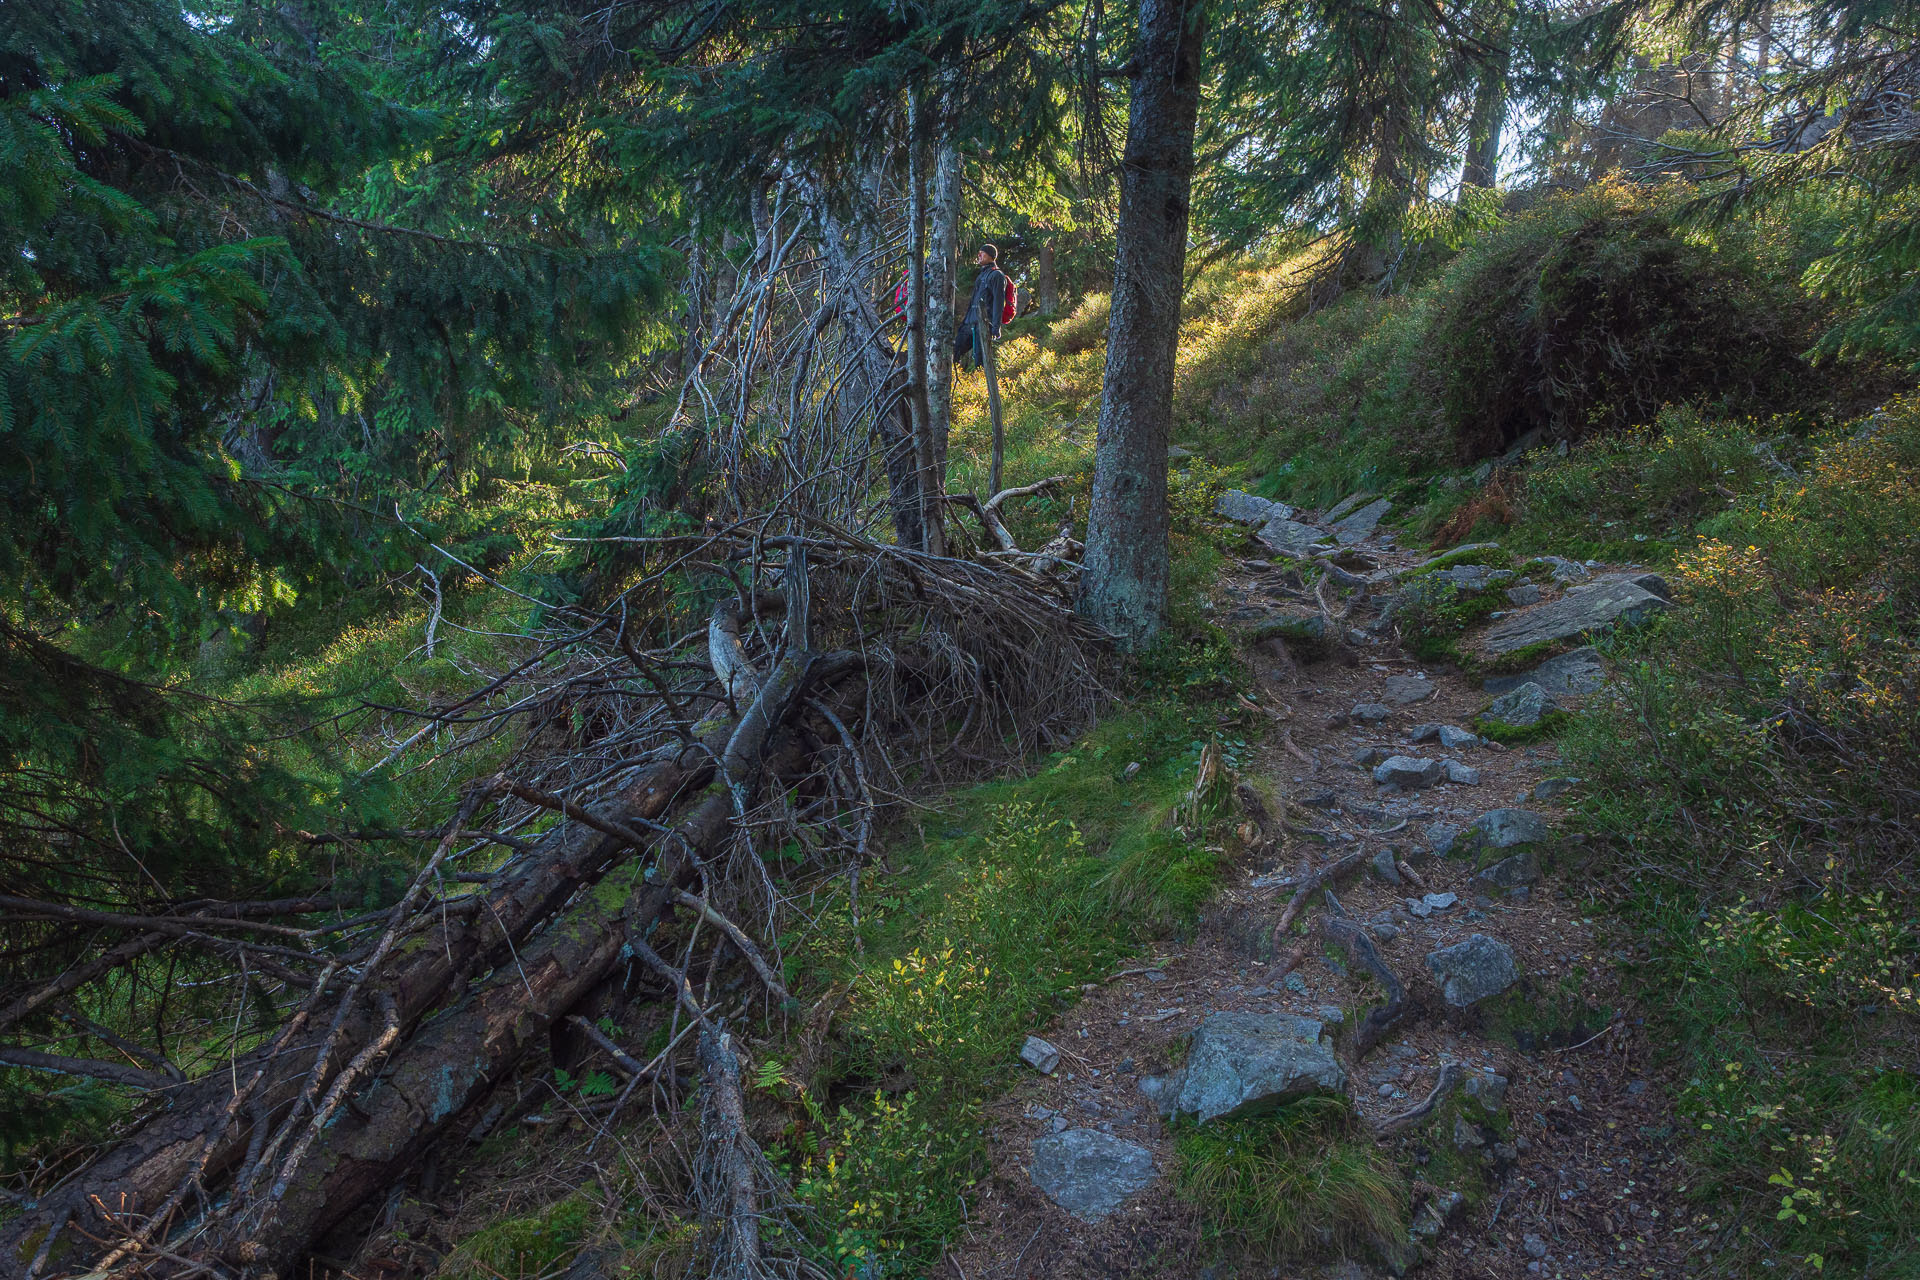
(1758, 770)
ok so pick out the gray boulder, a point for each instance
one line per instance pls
(1525, 594)
(1408, 771)
(1509, 828)
(1462, 774)
(1245, 1063)
(1361, 524)
(1487, 1089)
(1548, 788)
(1441, 836)
(1574, 674)
(1523, 708)
(1242, 507)
(1370, 712)
(1589, 607)
(1474, 970)
(1089, 1173)
(1423, 733)
(1454, 738)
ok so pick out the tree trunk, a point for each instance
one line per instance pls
(943, 264)
(1489, 113)
(1047, 288)
(1123, 585)
(925, 453)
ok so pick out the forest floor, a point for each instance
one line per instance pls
(1573, 1173)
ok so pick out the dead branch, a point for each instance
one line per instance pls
(1346, 934)
(1312, 884)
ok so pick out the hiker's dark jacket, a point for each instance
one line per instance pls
(989, 297)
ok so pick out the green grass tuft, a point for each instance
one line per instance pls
(1301, 1182)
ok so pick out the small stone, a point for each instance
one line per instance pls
(1573, 1100)
(1419, 908)
(1425, 733)
(1410, 772)
(1404, 691)
(1523, 708)
(1509, 828)
(1551, 787)
(1370, 712)
(1454, 738)
(1525, 594)
(1534, 1245)
(1296, 984)
(1464, 775)
(1369, 755)
(1040, 1055)
(1126, 1065)
(1466, 1136)
(1471, 971)
(1383, 866)
(1441, 836)
(1509, 873)
(1325, 798)
(1089, 1173)
(1636, 1088)
(1386, 1091)
(1132, 769)
(1331, 1015)
(1439, 901)
(1383, 931)
(1562, 569)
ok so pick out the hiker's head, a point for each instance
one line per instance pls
(987, 257)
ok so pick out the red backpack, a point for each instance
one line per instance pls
(1011, 307)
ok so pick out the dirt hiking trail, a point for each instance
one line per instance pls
(1546, 1148)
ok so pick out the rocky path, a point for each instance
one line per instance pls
(1547, 1151)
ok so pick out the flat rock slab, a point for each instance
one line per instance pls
(1345, 505)
(1571, 675)
(1089, 1173)
(1591, 607)
(1404, 691)
(1361, 524)
(1290, 537)
(1471, 577)
(1474, 970)
(1242, 507)
(1245, 1063)
(1509, 828)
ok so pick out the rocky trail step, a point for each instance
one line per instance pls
(1546, 1148)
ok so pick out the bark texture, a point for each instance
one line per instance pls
(1123, 586)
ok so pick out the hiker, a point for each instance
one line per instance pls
(991, 304)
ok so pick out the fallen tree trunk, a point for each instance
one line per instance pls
(213, 1133)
